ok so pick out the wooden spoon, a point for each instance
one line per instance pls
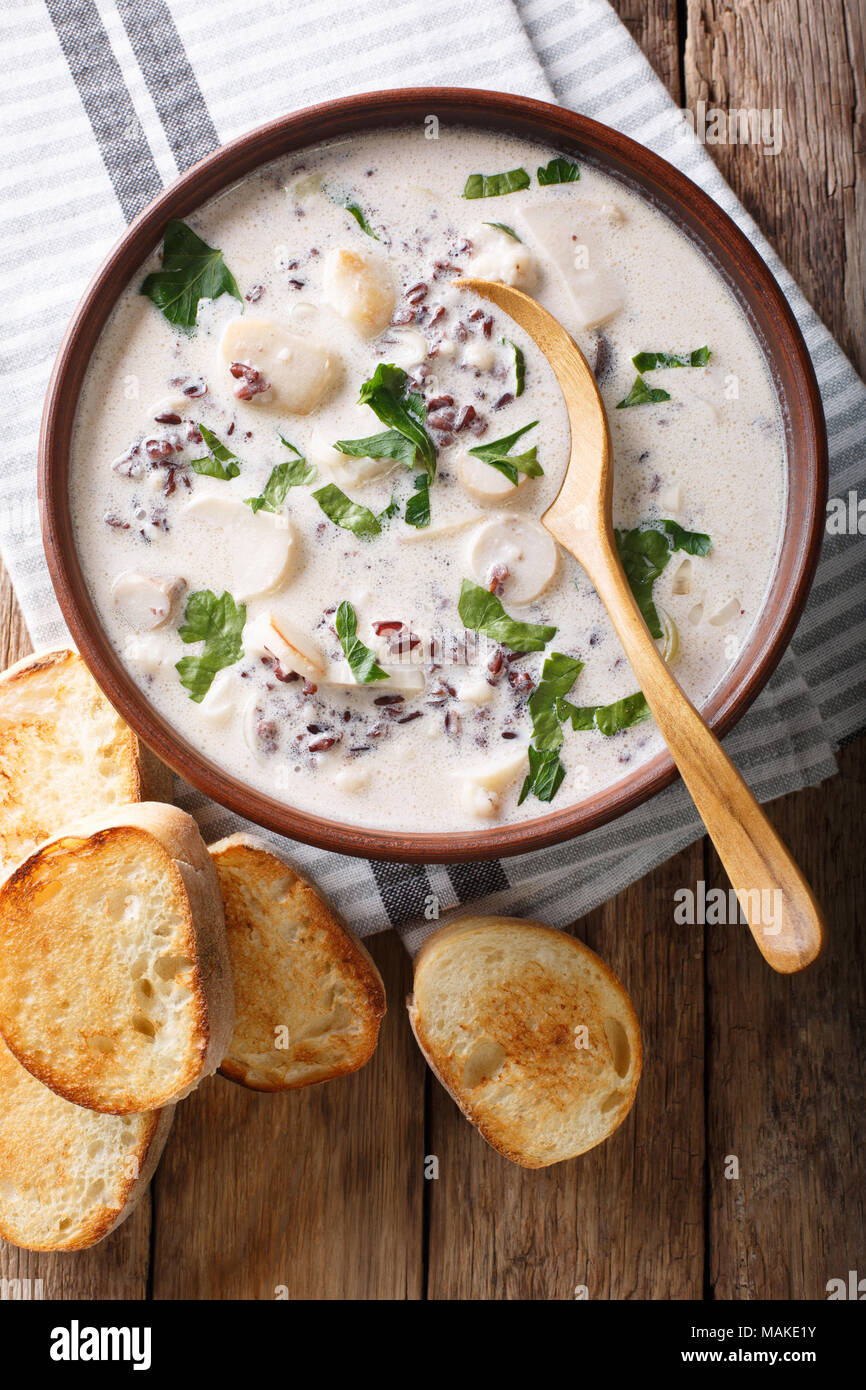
(580, 518)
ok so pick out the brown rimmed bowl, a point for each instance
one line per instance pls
(645, 174)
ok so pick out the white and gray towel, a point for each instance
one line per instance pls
(105, 101)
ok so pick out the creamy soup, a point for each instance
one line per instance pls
(308, 469)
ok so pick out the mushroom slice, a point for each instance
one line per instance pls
(344, 469)
(408, 349)
(271, 634)
(484, 483)
(671, 500)
(574, 235)
(360, 289)
(682, 583)
(502, 257)
(475, 690)
(220, 701)
(728, 612)
(517, 554)
(352, 779)
(266, 365)
(402, 680)
(480, 354)
(670, 635)
(254, 548)
(146, 602)
(481, 787)
(150, 653)
(496, 776)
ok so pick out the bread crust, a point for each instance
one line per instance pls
(258, 862)
(187, 871)
(492, 1131)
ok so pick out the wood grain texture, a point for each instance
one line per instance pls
(325, 1195)
(785, 1088)
(786, 1082)
(625, 1220)
(807, 60)
(655, 28)
(318, 1191)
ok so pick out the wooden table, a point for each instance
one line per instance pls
(324, 1193)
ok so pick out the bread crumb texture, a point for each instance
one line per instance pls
(63, 751)
(308, 998)
(68, 1175)
(100, 990)
(532, 1034)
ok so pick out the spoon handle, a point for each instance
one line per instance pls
(781, 910)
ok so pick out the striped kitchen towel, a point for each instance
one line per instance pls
(105, 101)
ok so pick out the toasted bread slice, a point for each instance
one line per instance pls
(309, 998)
(63, 752)
(115, 980)
(532, 1034)
(68, 1176)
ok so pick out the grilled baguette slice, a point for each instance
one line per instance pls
(68, 1176)
(115, 979)
(533, 1035)
(309, 997)
(63, 751)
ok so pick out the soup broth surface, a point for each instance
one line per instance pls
(251, 574)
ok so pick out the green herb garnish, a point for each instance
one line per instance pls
(558, 171)
(641, 394)
(293, 473)
(354, 209)
(482, 611)
(645, 553)
(653, 361)
(392, 510)
(362, 662)
(546, 770)
(218, 622)
(191, 270)
(494, 185)
(221, 462)
(519, 367)
(340, 509)
(497, 455)
(557, 677)
(404, 411)
(361, 219)
(418, 506)
(390, 444)
(545, 776)
(501, 227)
(607, 719)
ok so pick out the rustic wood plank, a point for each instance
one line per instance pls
(806, 60)
(319, 1191)
(625, 1220)
(655, 28)
(14, 639)
(787, 1094)
(343, 1218)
